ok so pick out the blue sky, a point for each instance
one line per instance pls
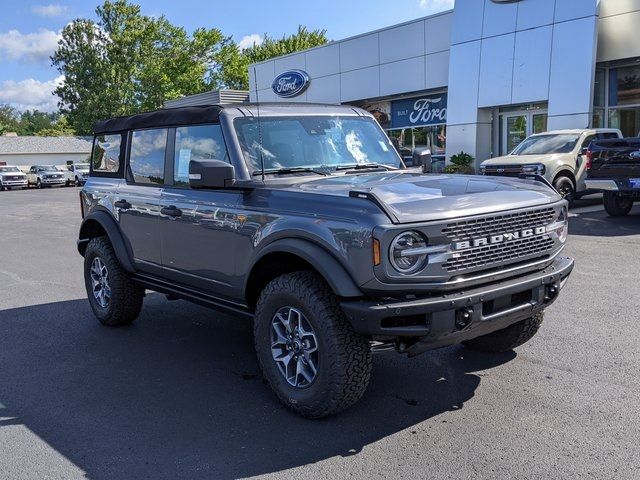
(29, 30)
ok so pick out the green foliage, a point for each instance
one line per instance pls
(59, 128)
(127, 62)
(233, 64)
(460, 163)
(9, 119)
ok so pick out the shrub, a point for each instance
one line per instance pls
(461, 163)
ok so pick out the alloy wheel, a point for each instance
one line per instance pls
(100, 282)
(294, 347)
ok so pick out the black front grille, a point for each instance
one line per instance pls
(488, 255)
(498, 224)
(503, 170)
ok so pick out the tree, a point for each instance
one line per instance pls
(60, 128)
(127, 62)
(33, 121)
(233, 66)
(9, 119)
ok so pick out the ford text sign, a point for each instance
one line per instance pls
(291, 83)
(419, 111)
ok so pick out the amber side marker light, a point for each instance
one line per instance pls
(376, 252)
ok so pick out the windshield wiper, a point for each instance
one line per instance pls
(279, 171)
(364, 166)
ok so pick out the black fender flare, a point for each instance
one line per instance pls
(319, 258)
(109, 225)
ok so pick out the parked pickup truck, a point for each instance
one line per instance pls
(613, 167)
(76, 174)
(304, 219)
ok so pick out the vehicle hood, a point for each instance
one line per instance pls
(415, 197)
(12, 174)
(525, 159)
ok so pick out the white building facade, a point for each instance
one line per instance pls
(481, 77)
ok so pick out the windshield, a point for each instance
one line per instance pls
(9, 169)
(545, 144)
(47, 168)
(318, 142)
(82, 166)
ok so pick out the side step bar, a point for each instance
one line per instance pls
(194, 296)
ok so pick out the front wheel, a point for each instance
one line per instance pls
(617, 205)
(308, 352)
(38, 184)
(114, 298)
(566, 188)
(508, 338)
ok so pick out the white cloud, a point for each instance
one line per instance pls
(34, 47)
(30, 94)
(51, 10)
(434, 6)
(249, 41)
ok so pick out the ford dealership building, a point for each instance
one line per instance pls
(478, 78)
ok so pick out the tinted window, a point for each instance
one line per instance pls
(608, 135)
(146, 160)
(546, 144)
(587, 141)
(202, 142)
(106, 153)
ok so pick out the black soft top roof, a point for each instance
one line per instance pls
(161, 118)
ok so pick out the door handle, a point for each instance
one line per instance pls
(171, 211)
(123, 204)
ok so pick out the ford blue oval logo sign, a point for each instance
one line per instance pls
(291, 83)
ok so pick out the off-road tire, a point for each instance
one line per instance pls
(344, 361)
(508, 338)
(617, 205)
(565, 187)
(126, 296)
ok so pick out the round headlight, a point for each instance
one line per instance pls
(407, 252)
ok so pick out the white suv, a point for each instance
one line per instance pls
(559, 156)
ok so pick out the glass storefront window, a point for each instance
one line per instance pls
(598, 118)
(433, 137)
(626, 119)
(599, 88)
(624, 86)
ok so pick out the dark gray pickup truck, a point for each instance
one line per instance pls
(613, 168)
(304, 219)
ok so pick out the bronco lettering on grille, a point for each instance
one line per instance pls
(501, 238)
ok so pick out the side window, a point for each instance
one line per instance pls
(106, 154)
(199, 142)
(146, 158)
(587, 141)
(608, 135)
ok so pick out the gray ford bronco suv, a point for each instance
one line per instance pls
(304, 218)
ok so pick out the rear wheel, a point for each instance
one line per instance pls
(617, 205)
(565, 187)
(308, 352)
(114, 298)
(508, 338)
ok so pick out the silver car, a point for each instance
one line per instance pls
(12, 177)
(45, 176)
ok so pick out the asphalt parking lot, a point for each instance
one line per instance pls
(179, 395)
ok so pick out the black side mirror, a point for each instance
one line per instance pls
(422, 157)
(211, 174)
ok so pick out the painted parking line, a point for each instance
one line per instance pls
(590, 209)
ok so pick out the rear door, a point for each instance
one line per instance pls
(199, 228)
(138, 200)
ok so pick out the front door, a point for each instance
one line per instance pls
(519, 125)
(199, 228)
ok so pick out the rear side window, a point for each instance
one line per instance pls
(608, 135)
(146, 158)
(106, 153)
(201, 142)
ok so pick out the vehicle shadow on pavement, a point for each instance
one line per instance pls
(179, 395)
(599, 224)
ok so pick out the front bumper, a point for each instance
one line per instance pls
(452, 318)
(13, 183)
(53, 181)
